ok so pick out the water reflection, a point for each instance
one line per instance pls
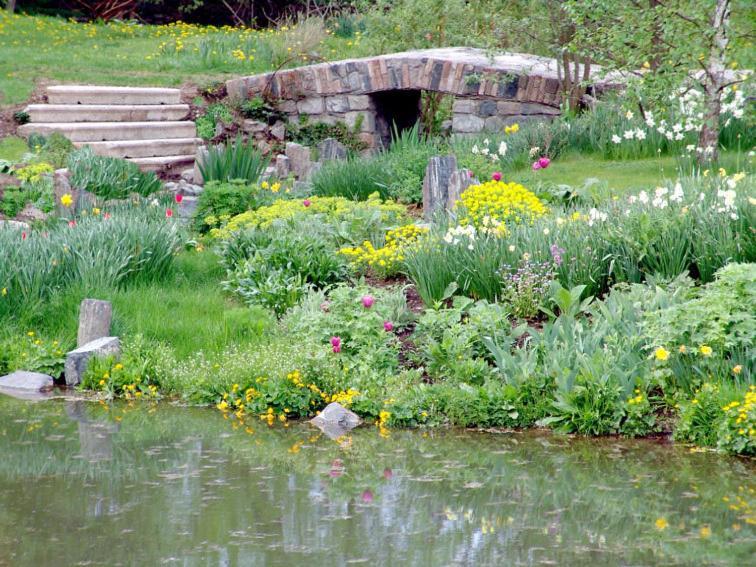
(86, 483)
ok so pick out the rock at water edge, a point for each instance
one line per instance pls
(77, 360)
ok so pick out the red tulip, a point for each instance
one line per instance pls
(179, 197)
(168, 213)
(72, 223)
(496, 176)
(23, 235)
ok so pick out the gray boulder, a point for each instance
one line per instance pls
(300, 161)
(331, 148)
(335, 420)
(436, 184)
(78, 360)
(26, 381)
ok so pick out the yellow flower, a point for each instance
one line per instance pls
(66, 200)
(705, 532)
(4, 292)
(661, 354)
(95, 211)
(705, 350)
(264, 185)
(118, 366)
(30, 333)
(682, 349)
(661, 524)
(275, 187)
(737, 369)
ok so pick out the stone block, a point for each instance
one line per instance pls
(509, 108)
(487, 108)
(287, 106)
(337, 104)
(187, 207)
(199, 156)
(331, 148)
(283, 167)
(312, 105)
(278, 130)
(300, 160)
(368, 120)
(436, 184)
(23, 380)
(254, 126)
(467, 123)
(459, 180)
(464, 106)
(14, 225)
(494, 124)
(78, 360)
(95, 317)
(188, 175)
(360, 102)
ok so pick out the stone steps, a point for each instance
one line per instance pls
(111, 131)
(57, 113)
(87, 94)
(147, 126)
(165, 163)
(128, 149)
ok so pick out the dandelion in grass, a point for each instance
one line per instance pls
(661, 524)
(661, 354)
(705, 350)
(66, 200)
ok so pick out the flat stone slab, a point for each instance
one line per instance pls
(26, 381)
(335, 420)
(77, 360)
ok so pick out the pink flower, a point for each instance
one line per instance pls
(387, 473)
(536, 166)
(168, 213)
(179, 197)
(23, 235)
(72, 223)
(469, 173)
(367, 496)
(496, 176)
(107, 216)
(325, 306)
(336, 344)
(367, 301)
(388, 326)
(307, 202)
(544, 162)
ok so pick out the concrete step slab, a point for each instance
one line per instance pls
(173, 164)
(144, 148)
(107, 112)
(88, 94)
(111, 131)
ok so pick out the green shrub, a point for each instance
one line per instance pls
(108, 177)
(312, 133)
(222, 200)
(716, 315)
(256, 108)
(33, 353)
(56, 150)
(213, 115)
(233, 160)
(274, 268)
(737, 433)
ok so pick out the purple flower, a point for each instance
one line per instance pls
(367, 301)
(388, 326)
(336, 344)
(544, 162)
(496, 176)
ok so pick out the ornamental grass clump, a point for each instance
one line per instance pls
(500, 203)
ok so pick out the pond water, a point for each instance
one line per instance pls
(83, 483)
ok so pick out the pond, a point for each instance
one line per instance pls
(84, 483)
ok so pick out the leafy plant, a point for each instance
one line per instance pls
(233, 160)
(222, 200)
(256, 108)
(217, 113)
(108, 177)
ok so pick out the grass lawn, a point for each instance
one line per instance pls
(55, 50)
(189, 311)
(12, 148)
(614, 176)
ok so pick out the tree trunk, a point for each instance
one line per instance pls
(11, 6)
(713, 82)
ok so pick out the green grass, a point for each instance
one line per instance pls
(41, 48)
(188, 311)
(620, 177)
(12, 148)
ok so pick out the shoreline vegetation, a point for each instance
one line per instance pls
(593, 279)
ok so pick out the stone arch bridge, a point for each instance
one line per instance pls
(376, 92)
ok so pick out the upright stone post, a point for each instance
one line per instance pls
(460, 180)
(436, 184)
(95, 317)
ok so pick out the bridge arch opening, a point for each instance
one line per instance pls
(395, 108)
